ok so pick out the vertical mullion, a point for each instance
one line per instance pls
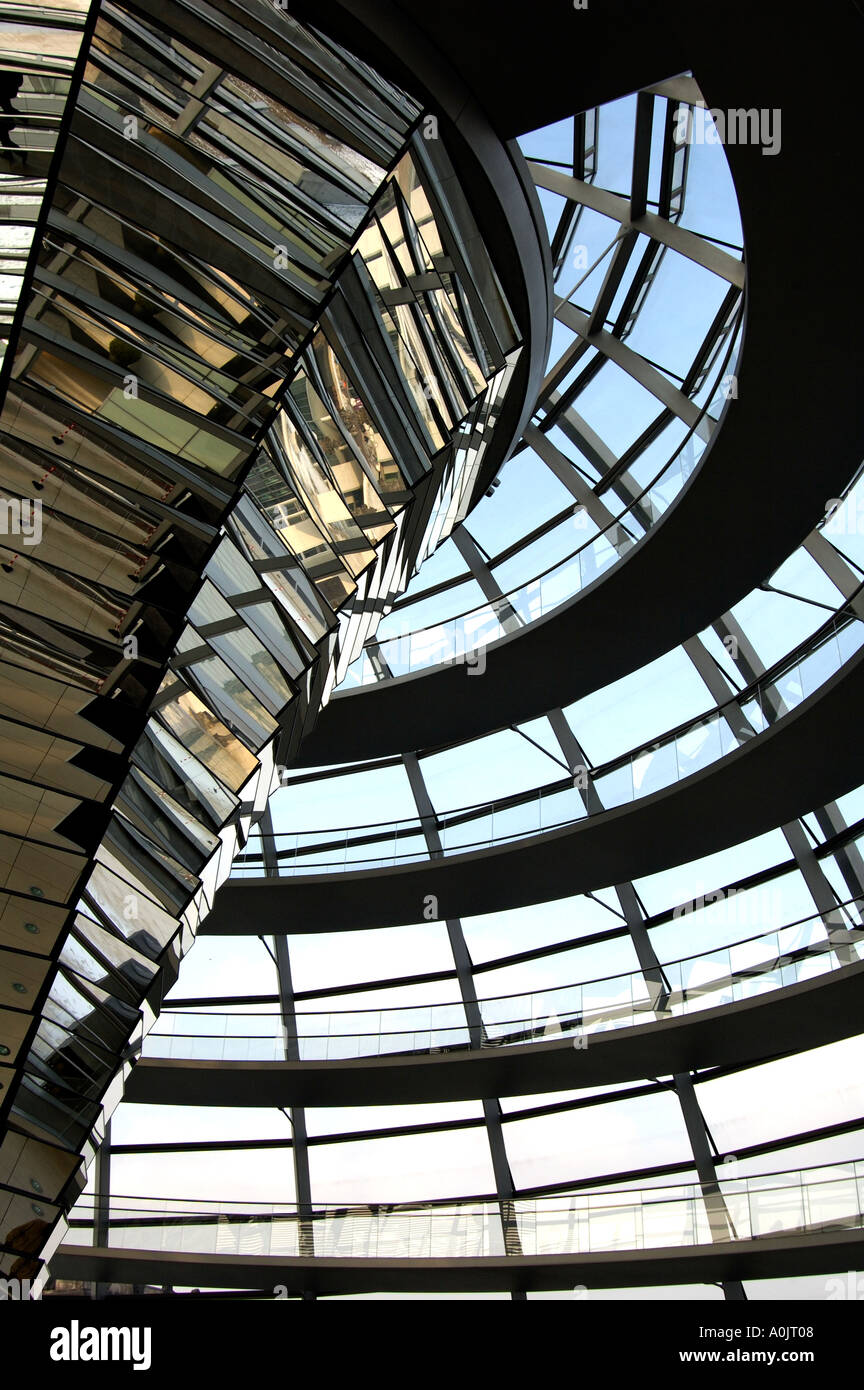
(504, 1186)
(494, 595)
(658, 989)
(652, 971)
(720, 688)
(296, 1114)
(102, 1202)
(715, 1205)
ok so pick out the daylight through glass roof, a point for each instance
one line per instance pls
(433, 813)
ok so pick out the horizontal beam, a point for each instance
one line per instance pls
(771, 780)
(636, 366)
(809, 1014)
(611, 205)
(760, 488)
(821, 1252)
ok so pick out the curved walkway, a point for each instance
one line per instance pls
(791, 1221)
(775, 778)
(764, 1258)
(652, 765)
(779, 454)
(827, 1009)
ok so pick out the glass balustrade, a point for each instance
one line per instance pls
(461, 637)
(786, 1204)
(650, 768)
(757, 965)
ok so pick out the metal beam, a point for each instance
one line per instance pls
(719, 1220)
(612, 205)
(504, 1185)
(636, 366)
(297, 1115)
(788, 1254)
(501, 606)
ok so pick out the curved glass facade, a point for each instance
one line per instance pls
(565, 980)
